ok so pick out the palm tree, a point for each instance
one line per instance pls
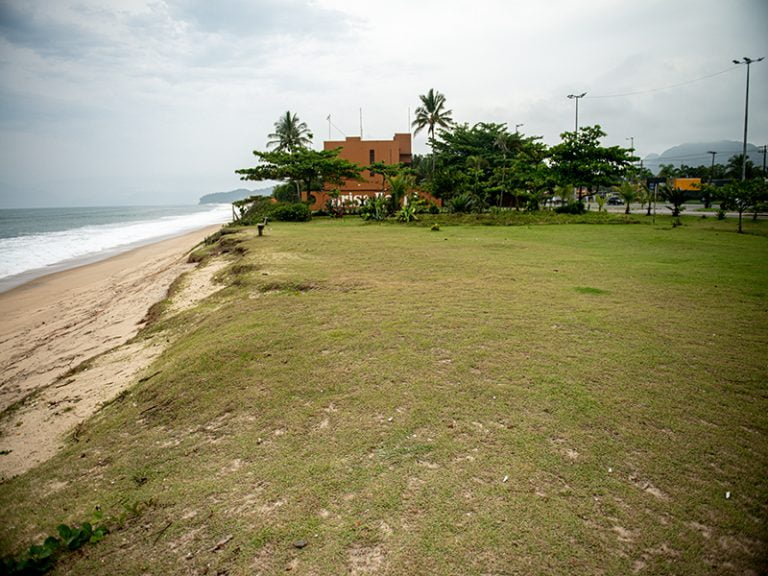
(290, 133)
(432, 113)
(628, 193)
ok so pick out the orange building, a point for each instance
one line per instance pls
(363, 153)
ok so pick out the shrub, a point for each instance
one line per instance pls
(461, 203)
(293, 212)
(571, 208)
(374, 208)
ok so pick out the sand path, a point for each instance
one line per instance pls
(56, 322)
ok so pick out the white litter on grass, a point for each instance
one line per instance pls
(727, 495)
(505, 478)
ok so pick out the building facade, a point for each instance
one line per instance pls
(363, 153)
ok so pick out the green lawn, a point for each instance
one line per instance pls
(563, 399)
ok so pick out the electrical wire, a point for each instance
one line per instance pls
(650, 90)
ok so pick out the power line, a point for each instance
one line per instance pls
(729, 69)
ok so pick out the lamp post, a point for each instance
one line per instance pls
(631, 144)
(518, 126)
(746, 61)
(577, 96)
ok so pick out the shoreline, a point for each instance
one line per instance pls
(55, 322)
(10, 283)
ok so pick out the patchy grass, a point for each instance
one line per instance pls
(476, 400)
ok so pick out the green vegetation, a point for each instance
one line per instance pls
(41, 558)
(743, 196)
(434, 398)
(308, 170)
(290, 134)
(432, 114)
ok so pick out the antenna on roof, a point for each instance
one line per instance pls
(329, 126)
(361, 123)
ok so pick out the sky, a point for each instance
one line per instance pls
(129, 102)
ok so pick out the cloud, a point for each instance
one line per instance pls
(128, 94)
(247, 19)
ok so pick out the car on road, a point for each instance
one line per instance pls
(615, 201)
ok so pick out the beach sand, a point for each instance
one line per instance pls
(55, 323)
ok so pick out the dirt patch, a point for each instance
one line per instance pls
(366, 560)
(197, 285)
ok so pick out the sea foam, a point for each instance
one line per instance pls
(50, 251)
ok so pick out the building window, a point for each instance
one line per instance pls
(371, 157)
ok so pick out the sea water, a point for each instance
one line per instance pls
(38, 241)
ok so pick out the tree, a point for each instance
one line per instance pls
(580, 161)
(674, 196)
(432, 113)
(734, 167)
(743, 196)
(290, 134)
(668, 171)
(628, 193)
(307, 169)
(476, 166)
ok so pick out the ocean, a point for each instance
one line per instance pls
(38, 241)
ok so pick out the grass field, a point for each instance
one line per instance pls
(570, 399)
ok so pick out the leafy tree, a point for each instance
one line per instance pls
(489, 162)
(432, 113)
(307, 169)
(284, 192)
(290, 134)
(580, 161)
(743, 196)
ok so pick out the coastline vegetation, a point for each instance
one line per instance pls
(485, 167)
(361, 397)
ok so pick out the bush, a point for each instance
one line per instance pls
(571, 208)
(293, 212)
(461, 203)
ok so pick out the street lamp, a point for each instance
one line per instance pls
(518, 126)
(746, 61)
(577, 96)
(631, 144)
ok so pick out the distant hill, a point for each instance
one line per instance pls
(233, 195)
(697, 154)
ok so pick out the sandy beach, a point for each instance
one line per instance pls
(55, 323)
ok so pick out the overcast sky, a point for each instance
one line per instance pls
(159, 101)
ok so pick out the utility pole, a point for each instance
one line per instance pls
(712, 167)
(707, 201)
(763, 151)
(577, 96)
(748, 61)
(518, 126)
